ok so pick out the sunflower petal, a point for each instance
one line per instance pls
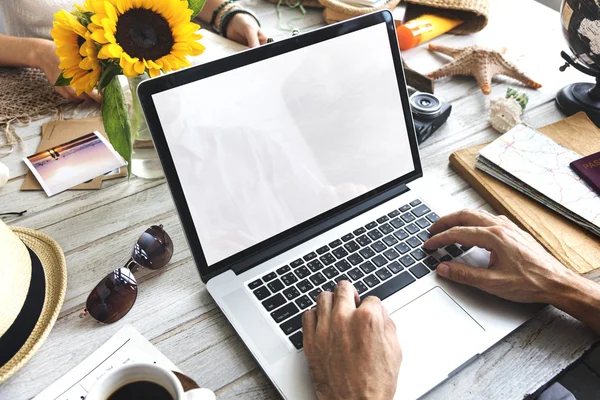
(139, 67)
(153, 72)
(99, 36)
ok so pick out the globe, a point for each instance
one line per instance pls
(581, 27)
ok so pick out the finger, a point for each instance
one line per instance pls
(252, 38)
(324, 306)
(309, 323)
(262, 38)
(94, 95)
(373, 305)
(344, 297)
(463, 218)
(67, 94)
(461, 273)
(467, 236)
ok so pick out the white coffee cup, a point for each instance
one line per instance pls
(134, 372)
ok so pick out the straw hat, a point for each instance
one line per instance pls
(32, 288)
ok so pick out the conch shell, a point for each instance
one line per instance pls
(505, 114)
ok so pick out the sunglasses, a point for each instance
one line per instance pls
(114, 295)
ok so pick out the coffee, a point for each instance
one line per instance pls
(141, 390)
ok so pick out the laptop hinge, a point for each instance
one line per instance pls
(300, 237)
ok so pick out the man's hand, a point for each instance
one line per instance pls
(520, 268)
(352, 353)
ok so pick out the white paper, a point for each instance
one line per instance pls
(126, 346)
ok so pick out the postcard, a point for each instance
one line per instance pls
(76, 161)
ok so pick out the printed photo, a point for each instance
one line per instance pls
(77, 161)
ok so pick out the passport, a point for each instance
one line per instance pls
(588, 168)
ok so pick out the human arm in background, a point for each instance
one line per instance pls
(352, 351)
(241, 27)
(520, 268)
(37, 53)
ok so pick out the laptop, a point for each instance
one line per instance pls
(294, 166)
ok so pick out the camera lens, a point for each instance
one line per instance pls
(425, 103)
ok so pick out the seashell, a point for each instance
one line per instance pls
(505, 114)
(3, 174)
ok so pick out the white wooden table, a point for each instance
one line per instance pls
(96, 229)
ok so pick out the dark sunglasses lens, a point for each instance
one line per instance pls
(153, 249)
(113, 297)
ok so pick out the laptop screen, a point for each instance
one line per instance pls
(264, 147)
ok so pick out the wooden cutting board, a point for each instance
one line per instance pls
(575, 247)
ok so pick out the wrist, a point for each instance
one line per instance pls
(570, 291)
(38, 50)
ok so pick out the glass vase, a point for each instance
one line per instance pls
(144, 161)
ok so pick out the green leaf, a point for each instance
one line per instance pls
(196, 6)
(116, 121)
(62, 81)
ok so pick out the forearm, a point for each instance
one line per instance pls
(19, 52)
(209, 7)
(580, 298)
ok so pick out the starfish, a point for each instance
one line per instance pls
(480, 62)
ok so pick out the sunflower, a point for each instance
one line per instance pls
(77, 52)
(144, 35)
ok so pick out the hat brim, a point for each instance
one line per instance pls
(54, 265)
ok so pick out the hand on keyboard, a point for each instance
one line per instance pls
(352, 353)
(520, 268)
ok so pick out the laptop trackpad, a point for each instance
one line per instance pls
(436, 336)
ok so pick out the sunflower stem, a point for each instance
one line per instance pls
(116, 120)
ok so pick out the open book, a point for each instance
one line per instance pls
(537, 166)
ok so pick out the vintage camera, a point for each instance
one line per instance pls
(429, 113)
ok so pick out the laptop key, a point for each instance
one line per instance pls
(291, 293)
(412, 228)
(343, 277)
(395, 267)
(419, 270)
(343, 265)
(296, 340)
(453, 250)
(310, 256)
(327, 259)
(379, 261)
(283, 270)
(317, 279)
(322, 250)
(303, 302)
(371, 280)
(315, 293)
(304, 286)
(386, 228)
(404, 208)
(424, 235)
(335, 243)
(445, 258)
(408, 217)
(297, 263)
(347, 237)
(328, 287)
(302, 272)
(274, 302)
(432, 217)
(284, 312)
(390, 240)
(383, 274)
(330, 272)
(393, 214)
(423, 223)
(359, 231)
(367, 252)
(407, 260)
(363, 240)
(378, 246)
(415, 202)
(371, 225)
(418, 254)
(414, 242)
(420, 211)
(391, 254)
(275, 286)
(383, 219)
(466, 248)
(292, 325)
(374, 234)
(340, 253)
(262, 293)
(255, 284)
(431, 262)
(315, 265)
(390, 286)
(367, 267)
(269, 277)
(401, 234)
(355, 274)
(360, 287)
(351, 246)
(397, 222)
(355, 259)
(402, 248)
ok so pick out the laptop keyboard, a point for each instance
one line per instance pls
(380, 258)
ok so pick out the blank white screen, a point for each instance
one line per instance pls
(265, 147)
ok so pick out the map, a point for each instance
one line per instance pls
(539, 167)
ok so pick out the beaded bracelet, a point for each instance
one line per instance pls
(218, 20)
(214, 14)
(226, 18)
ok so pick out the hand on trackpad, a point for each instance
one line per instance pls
(436, 336)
